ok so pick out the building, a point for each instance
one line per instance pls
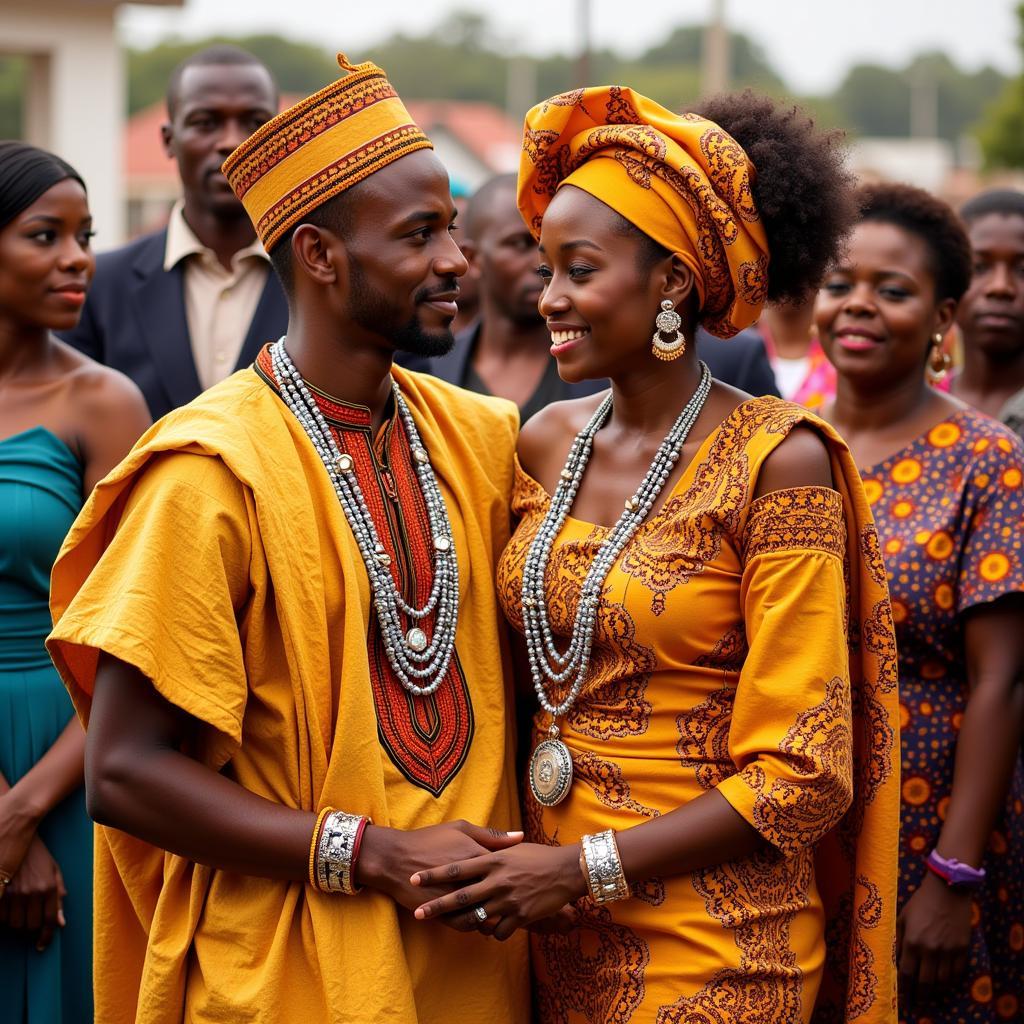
(75, 100)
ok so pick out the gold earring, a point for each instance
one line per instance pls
(667, 322)
(939, 360)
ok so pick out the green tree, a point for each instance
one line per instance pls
(1001, 132)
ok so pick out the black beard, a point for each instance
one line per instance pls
(372, 311)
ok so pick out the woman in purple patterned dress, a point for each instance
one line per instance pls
(945, 483)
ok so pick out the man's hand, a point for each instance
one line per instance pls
(388, 857)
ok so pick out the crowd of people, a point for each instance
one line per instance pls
(641, 644)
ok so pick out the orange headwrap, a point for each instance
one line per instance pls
(320, 147)
(680, 179)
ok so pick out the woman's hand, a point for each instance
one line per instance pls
(17, 830)
(388, 855)
(933, 937)
(35, 896)
(516, 887)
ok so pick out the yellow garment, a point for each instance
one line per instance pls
(321, 146)
(217, 560)
(722, 659)
(680, 179)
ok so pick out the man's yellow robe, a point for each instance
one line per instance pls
(217, 560)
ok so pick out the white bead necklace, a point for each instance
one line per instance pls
(551, 763)
(419, 662)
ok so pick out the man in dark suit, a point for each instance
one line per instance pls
(507, 351)
(179, 310)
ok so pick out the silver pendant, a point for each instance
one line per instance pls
(550, 772)
(416, 640)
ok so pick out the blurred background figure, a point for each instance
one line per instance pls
(507, 351)
(469, 291)
(945, 483)
(991, 315)
(802, 372)
(181, 309)
(65, 422)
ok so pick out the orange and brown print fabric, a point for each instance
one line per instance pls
(743, 645)
(680, 179)
(320, 147)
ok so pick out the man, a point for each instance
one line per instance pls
(282, 603)
(179, 310)
(507, 352)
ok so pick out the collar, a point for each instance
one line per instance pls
(182, 242)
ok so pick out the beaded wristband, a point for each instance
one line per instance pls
(313, 845)
(603, 867)
(336, 851)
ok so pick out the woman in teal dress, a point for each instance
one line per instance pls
(65, 422)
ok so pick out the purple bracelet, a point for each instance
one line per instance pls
(953, 872)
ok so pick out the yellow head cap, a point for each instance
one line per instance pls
(320, 147)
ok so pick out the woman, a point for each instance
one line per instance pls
(991, 313)
(945, 487)
(702, 708)
(64, 422)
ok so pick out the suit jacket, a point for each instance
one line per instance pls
(452, 367)
(134, 320)
(740, 361)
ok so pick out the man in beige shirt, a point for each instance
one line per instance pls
(180, 309)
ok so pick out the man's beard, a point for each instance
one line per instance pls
(372, 311)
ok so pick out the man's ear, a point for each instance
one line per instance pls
(319, 255)
(167, 138)
(472, 253)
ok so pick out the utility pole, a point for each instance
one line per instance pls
(583, 28)
(715, 72)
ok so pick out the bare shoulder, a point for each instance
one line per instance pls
(545, 438)
(95, 390)
(800, 460)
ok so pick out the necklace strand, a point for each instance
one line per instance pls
(546, 662)
(419, 662)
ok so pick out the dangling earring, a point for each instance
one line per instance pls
(939, 360)
(667, 322)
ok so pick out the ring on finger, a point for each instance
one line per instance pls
(480, 914)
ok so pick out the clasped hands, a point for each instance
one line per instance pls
(457, 867)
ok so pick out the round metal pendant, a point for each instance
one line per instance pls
(416, 640)
(550, 772)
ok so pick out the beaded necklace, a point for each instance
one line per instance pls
(551, 763)
(420, 662)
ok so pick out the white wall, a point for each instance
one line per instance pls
(77, 102)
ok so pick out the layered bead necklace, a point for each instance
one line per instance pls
(551, 763)
(419, 662)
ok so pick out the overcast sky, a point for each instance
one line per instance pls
(810, 42)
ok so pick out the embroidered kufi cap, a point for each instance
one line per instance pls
(318, 148)
(679, 178)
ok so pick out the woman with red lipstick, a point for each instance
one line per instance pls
(991, 314)
(65, 422)
(945, 483)
(712, 782)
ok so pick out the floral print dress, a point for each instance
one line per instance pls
(949, 509)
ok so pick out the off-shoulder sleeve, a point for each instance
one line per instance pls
(165, 594)
(791, 731)
(991, 556)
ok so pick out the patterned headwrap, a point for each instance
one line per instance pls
(680, 179)
(323, 145)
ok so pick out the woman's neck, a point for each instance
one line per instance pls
(988, 383)
(23, 348)
(869, 408)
